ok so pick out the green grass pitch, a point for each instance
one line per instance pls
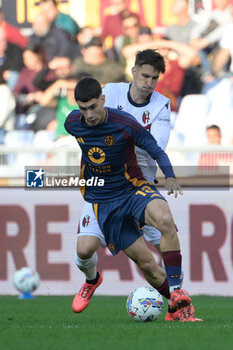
(49, 323)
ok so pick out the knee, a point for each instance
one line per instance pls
(84, 251)
(166, 223)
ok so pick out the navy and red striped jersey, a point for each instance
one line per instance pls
(108, 152)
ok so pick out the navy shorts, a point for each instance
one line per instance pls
(120, 220)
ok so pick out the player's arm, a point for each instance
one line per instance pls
(146, 141)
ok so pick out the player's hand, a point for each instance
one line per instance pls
(173, 187)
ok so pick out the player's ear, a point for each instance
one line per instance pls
(103, 98)
(133, 70)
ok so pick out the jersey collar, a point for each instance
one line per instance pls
(131, 101)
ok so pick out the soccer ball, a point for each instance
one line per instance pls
(144, 304)
(26, 280)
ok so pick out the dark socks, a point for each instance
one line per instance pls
(95, 280)
(164, 289)
(172, 262)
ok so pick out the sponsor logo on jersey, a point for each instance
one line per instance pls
(109, 140)
(96, 155)
(120, 107)
(164, 119)
(86, 221)
(146, 117)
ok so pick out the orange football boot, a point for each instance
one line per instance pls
(83, 297)
(173, 316)
(187, 315)
(179, 299)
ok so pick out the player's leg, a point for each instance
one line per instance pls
(152, 235)
(143, 257)
(158, 214)
(86, 258)
(155, 275)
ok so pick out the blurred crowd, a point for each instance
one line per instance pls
(38, 72)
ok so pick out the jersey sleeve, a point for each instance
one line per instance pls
(69, 123)
(160, 127)
(144, 140)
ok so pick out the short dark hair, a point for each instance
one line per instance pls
(38, 50)
(87, 89)
(213, 126)
(94, 41)
(151, 57)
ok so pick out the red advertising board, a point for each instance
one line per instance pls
(38, 229)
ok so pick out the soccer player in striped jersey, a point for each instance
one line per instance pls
(107, 139)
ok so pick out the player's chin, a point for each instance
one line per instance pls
(92, 122)
(147, 90)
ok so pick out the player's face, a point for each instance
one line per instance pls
(145, 79)
(93, 111)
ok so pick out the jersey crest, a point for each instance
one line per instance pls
(86, 221)
(109, 140)
(146, 117)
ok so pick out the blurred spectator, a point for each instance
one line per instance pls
(96, 63)
(26, 93)
(59, 19)
(211, 24)
(223, 61)
(131, 27)
(13, 34)
(213, 135)
(55, 41)
(181, 30)
(57, 68)
(145, 39)
(178, 58)
(112, 23)
(7, 101)
(207, 34)
(85, 35)
(61, 95)
(34, 59)
(217, 160)
(11, 60)
(82, 38)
